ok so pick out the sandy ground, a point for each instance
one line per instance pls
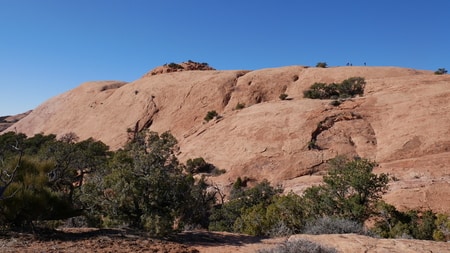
(111, 240)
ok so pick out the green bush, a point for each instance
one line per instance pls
(425, 225)
(442, 232)
(226, 217)
(145, 187)
(31, 198)
(281, 217)
(348, 88)
(45, 177)
(210, 115)
(283, 96)
(199, 165)
(440, 71)
(175, 66)
(350, 191)
(259, 210)
(240, 106)
(321, 65)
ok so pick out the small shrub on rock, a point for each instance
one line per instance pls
(440, 71)
(321, 65)
(348, 88)
(240, 106)
(283, 96)
(210, 115)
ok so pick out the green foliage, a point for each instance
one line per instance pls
(146, 188)
(348, 88)
(282, 216)
(210, 115)
(424, 225)
(32, 199)
(440, 71)
(73, 160)
(321, 65)
(442, 232)
(199, 165)
(240, 106)
(175, 66)
(45, 174)
(8, 141)
(198, 208)
(350, 191)
(227, 216)
(283, 96)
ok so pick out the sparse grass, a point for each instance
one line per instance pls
(329, 225)
(299, 246)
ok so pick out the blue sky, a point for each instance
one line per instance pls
(48, 47)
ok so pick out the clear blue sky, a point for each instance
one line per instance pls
(48, 47)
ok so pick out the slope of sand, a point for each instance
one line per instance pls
(402, 122)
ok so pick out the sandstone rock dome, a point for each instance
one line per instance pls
(402, 122)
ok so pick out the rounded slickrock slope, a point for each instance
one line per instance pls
(402, 122)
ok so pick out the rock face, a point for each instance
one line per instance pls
(402, 122)
(7, 121)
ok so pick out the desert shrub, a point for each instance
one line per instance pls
(348, 88)
(299, 246)
(210, 115)
(31, 198)
(226, 217)
(316, 91)
(174, 65)
(285, 215)
(442, 232)
(321, 65)
(144, 187)
(239, 106)
(259, 210)
(282, 216)
(283, 96)
(350, 191)
(351, 87)
(440, 71)
(330, 225)
(199, 165)
(425, 225)
(44, 179)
